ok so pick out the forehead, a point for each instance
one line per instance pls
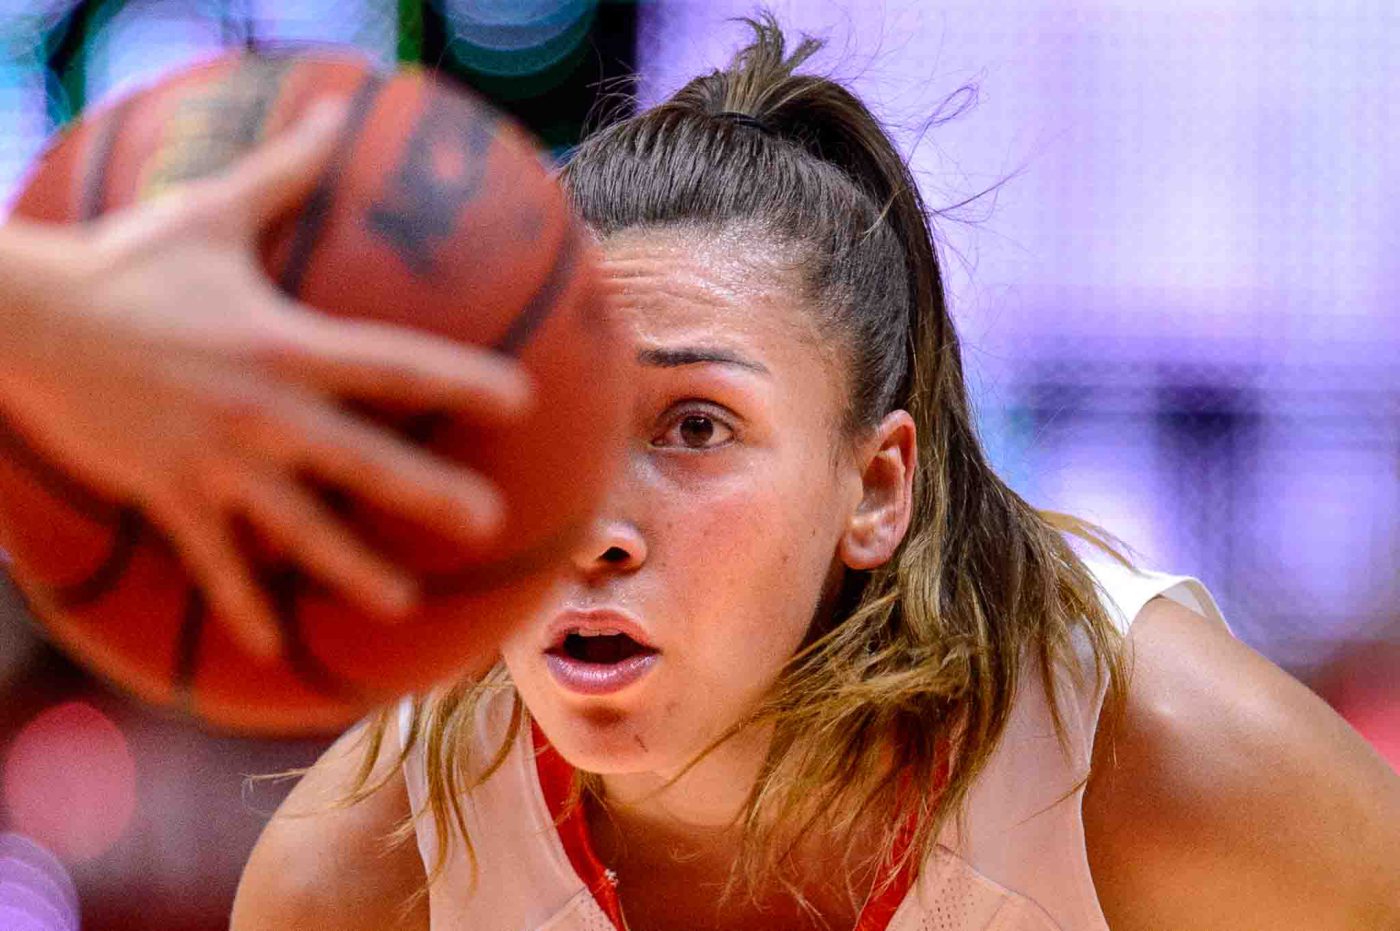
(729, 289)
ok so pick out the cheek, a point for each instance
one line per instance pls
(749, 560)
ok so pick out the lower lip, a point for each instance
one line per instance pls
(598, 678)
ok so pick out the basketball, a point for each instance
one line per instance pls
(435, 212)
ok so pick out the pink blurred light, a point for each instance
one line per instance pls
(70, 781)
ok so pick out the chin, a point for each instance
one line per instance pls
(599, 735)
(602, 740)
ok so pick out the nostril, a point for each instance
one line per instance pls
(615, 554)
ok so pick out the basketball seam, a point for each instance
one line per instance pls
(125, 539)
(187, 643)
(537, 308)
(94, 195)
(421, 428)
(286, 584)
(54, 481)
(311, 222)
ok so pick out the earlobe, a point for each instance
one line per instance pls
(881, 518)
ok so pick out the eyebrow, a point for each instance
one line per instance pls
(698, 355)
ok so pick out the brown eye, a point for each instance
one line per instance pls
(696, 431)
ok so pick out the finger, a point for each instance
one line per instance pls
(137, 226)
(398, 365)
(281, 172)
(376, 465)
(316, 541)
(211, 556)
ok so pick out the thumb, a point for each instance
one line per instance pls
(281, 172)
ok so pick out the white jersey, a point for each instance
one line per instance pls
(1020, 864)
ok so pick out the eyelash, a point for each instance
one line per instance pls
(674, 420)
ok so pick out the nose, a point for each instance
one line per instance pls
(610, 547)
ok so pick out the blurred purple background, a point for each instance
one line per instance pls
(1183, 311)
(1180, 309)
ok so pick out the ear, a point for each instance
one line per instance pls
(881, 518)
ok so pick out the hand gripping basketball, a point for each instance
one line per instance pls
(164, 369)
(420, 209)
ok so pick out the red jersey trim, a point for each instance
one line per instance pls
(556, 779)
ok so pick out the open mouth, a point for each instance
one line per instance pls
(596, 658)
(601, 648)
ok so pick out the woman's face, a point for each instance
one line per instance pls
(720, 539)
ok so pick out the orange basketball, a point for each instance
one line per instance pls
(435, 212)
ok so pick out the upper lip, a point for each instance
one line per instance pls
(573, 620)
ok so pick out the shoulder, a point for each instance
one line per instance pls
(1230, 796)
(320, 865)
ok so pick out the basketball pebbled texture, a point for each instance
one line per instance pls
(435, 212)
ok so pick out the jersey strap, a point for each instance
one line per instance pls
(557, 783)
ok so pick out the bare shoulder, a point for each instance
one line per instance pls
(322, 866)
(1230, 796)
